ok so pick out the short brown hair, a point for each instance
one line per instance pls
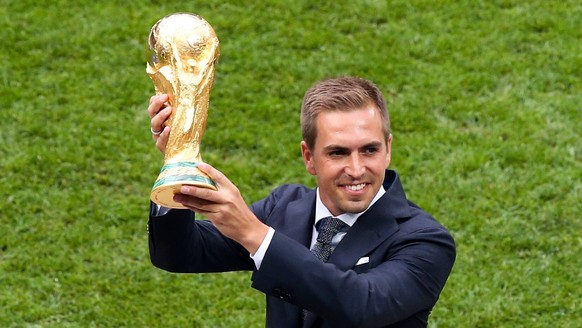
(340, 94)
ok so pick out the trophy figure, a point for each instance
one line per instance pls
(183, 49)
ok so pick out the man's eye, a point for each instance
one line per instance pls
(371, 150)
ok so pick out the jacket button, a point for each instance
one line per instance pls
(281, 294)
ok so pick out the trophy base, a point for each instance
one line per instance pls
(175, 175)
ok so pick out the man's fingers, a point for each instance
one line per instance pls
(159, 113)
(196, 204)
(204, 194)
(216, 175)
(197, 196)
(156, 104)
(157, 122)
(162, 139)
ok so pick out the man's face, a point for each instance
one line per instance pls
(349, 158)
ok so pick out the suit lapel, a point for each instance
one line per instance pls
(374, 226)
(299, 219)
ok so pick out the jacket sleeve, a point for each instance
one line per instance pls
(178, 243)
(406, 280)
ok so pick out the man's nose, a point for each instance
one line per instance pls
(355, 166)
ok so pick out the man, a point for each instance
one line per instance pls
(390, 259)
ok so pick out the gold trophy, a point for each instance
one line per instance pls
(183, 49)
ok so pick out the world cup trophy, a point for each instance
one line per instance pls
(182, 52)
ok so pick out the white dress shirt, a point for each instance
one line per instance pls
(320, 212)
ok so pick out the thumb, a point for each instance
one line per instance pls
(214, 174)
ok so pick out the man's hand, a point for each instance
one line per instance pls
(225, 208)
(159, 111)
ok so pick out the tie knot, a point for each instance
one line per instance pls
(329, 227)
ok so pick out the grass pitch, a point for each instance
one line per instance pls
(485, 104)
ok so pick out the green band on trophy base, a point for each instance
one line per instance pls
(179, 164)
(182, 178)
(172, 177)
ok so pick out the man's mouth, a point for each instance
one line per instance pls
(356, 187)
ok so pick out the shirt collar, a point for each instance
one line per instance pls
(349, 218)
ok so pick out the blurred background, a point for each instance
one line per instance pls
(484, 98)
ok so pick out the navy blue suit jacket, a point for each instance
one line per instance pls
(388, 271)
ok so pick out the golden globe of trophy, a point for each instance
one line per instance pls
(183, 49)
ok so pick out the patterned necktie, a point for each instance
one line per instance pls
(327, 228)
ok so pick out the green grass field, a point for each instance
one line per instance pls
(485, 100)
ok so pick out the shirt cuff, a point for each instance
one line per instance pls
(159, 210)
(260, 253)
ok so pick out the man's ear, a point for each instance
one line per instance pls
(388, 150)
(307, 158)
